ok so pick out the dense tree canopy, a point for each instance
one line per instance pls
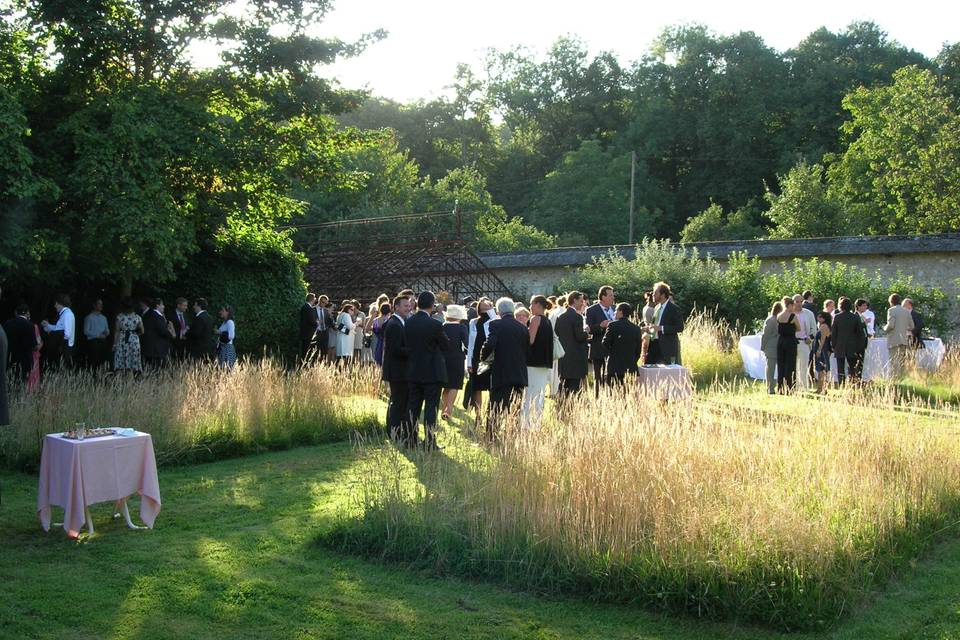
(124, 166)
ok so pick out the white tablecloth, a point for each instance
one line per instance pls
(77, 473)
(876, 363)
(665, 381)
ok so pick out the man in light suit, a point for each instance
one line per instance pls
(808, 329)
(668, 323)
(768, 345)
(426, 368)
(899, 330)
(600, 315)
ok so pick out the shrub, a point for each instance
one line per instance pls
(258, 273)
(697, 282)
(833, 279)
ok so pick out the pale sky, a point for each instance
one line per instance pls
(427, 38)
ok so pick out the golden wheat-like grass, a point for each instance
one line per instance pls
(192, 409)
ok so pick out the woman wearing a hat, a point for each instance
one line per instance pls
(455, 354)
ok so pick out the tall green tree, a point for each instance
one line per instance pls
(804, 207)
(900, 171)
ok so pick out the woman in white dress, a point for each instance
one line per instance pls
(345, 333)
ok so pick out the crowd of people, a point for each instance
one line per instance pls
(429, 352)
(798, 340)
(141, 336)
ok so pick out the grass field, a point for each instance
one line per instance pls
(233, 557)
(340, 540)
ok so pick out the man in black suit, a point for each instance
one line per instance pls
(200, 343)
(426, 368)
(668, 323)
(181, 327)
(21, 341)
(599, 316)
(155, 343)
(394, 371)
(309, 320)
(917, 331)
(847, 333)
(508, 342)
(572, 367)
(622, 342)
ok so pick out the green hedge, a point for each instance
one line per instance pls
(739, 292)
(259, 274)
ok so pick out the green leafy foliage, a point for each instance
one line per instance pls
(900, 172)
(257, 272)
(713, 224)
(697, 282)
(830, 280)
(804, 208)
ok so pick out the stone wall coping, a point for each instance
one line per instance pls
(767, 249)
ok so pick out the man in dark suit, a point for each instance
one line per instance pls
(572, 367)
(308, 326)
(155, 343)
(598, 317)
(622, 342)
(508, 342)
(847, 333)
(21, 341)
(809, 303)
(426, 368)
(668, 323)
(181, 326)
(394, 371)
(200, 343)
(917, 332)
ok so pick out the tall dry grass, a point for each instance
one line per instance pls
(723, 511)
(197, 413)
(709, 348)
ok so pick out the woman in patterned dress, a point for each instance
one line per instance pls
(128, 327)
(226, 354)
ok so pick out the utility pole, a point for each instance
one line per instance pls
(633, 171)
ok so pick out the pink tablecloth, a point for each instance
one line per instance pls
(665, 381)
(75, 474)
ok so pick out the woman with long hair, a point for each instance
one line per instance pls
(226, 353)
(378, 323)
(788, 325)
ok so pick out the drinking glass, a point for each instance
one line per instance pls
(81, 430)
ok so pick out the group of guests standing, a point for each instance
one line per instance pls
(798, 340)
(141, 336)
(429, 353)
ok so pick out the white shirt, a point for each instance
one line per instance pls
(808, 324)
(66, 323)
(230, 328)
(472, 336)
(871, 320)
(95, 326)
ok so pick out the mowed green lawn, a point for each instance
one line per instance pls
(233, 556)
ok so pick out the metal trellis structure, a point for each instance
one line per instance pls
(364, 258)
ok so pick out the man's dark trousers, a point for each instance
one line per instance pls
(424, 398)
(398, 419)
